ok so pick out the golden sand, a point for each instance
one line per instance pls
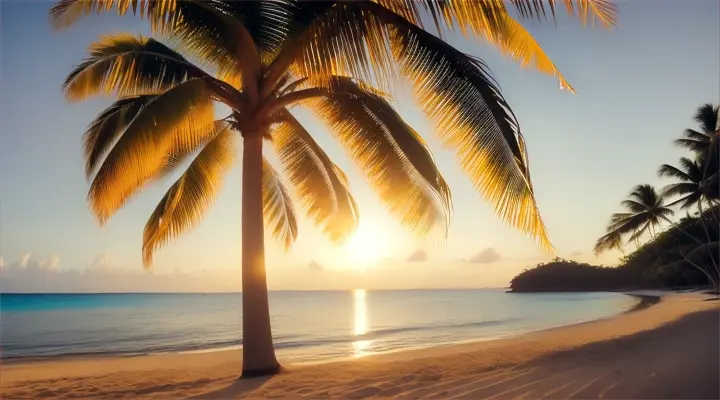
(669, 350)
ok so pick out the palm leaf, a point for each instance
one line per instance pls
(189, 198)
(670, 171)
(488, 19)
(472, 118)
(603, 11)
(278, 210)
(128, 66)
(513, 40)
(365, 134)
(609, 241)
(708, 117)
(335, 38)
(408, 141)
(637, 234)
(689, 199)
(108, 126)
(180, 118)
(65, 13)
(320, 185)
(214, 34)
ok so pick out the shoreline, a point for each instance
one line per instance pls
(644, 300)
(664, 351)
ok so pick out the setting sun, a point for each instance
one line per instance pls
(368, 245)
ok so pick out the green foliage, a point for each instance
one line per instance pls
(660, 263)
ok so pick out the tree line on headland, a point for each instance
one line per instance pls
(685, 254)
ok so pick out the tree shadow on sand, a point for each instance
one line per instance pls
(237, 389)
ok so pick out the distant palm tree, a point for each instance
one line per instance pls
(705, 143)
(645, 211)
(690, 187)
(708, 117)
(259, 59)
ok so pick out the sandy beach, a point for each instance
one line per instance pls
(668, 350)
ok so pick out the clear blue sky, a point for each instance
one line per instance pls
(637, 85)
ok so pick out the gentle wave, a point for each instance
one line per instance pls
(306, 325)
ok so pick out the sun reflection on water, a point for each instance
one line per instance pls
(360, 326)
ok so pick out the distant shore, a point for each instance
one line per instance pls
(669, 350)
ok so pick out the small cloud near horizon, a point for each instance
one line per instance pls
(24, 259)
(418, 256)
(315, 266)
(576, 254)
(486, 256)
(50, 263)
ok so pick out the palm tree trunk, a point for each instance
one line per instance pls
(258, 351)
(707, 233)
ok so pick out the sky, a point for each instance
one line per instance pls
(637, 89)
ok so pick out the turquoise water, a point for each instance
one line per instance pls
(308, 326)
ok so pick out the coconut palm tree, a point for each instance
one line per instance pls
(645, 211)
(690, 187)
(705, 144)
(708, 117)
(337, 59)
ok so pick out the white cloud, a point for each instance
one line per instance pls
(486, 256)
(418, 256)
(50, 263)
(24, 259)
(101, 262)
(315, 266)
(2, 262)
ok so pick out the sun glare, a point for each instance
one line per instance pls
(367, 246)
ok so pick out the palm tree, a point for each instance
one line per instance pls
(704, 143)
(690, 187)
(645, 211)
(335, 58)
(708, 117)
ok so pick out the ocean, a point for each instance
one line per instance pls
(308, 326)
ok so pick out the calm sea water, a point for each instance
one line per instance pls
(308, 326)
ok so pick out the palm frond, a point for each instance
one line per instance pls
(625, 223)
(365, 134)
(513, 40)
(180, 118)
(128, 66)
(609, 241)
(65, 13)
(189, 198)
(680, 189)
(319, 184)
(708, 117)
(408, 141)
(278, 210)
(215, 32)
(488, 19)
(181, 152)
(637, 234)
(603, 11)
(108, 126)
(472, 118)
(689, 199)
(645, 195)
(335, 38)
(670, 171)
